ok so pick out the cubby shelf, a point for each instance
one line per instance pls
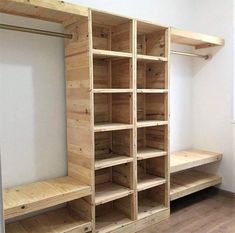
(150, 123)
(153, 91)
(111, 160)
(187, 159)
(61, 220)
(148, 58)
(110, 191)
(40, 195)
(148, 207)
(191, 181)
(148, 152)
(117, 90)
(102, 127)
(98, 53)
(149, 181)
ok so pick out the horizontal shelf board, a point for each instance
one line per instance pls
(98, 53)
(101, 127)
(111, 221)
(191, 181)
(148, 152)
(112, 160)
(197, 40)
(147, 207)
(149, 181)
(149, 123)
(117, 90)
(60, 220)
(158, 91)
(40, 195)
(149, 58)
(183, 160)
(110, 191)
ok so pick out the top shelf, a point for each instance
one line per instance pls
(183, 160)
(194, 39)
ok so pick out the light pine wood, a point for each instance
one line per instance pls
(148, 152)
(157, 91)
(98, 53)
(183, 160)
(191, 181)
(149, 181)
(40, 195)
(50, 10)
(112, 90)
(149, 123)
(150, 58)
(110, 191)
(58, 221)
(197, 40)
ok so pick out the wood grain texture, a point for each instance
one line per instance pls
(58, 221)
(40, 195)
(187, 182)
(183, 160)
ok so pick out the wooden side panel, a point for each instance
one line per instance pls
(156, 137)
(79, 117)
(121, 175)
(121, 142)
(101, 37)
(101, 73)
(103, 145)
(103, 176)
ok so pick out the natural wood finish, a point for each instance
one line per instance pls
(183, 160)
(102, 127)
(153, 91)
(98, 53)
(191, 181)
(110, 191)
(111, 160)
(148, 152)
(50, 10)
(149, 181)
(150, 58)
(60, 220)
(36, 196)
(112, 90)
(150, 123)
(197, 40)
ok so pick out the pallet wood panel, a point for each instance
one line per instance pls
(197, 40)
(191, 181)
(40, 195)
(51, 10)
(60, 220)
(183, 160)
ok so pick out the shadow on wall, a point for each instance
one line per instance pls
(33, 105)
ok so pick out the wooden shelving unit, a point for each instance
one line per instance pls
(117, 125)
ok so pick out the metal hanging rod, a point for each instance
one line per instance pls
(190, 54)
(35, 31)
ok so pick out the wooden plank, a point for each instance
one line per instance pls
(40, 195)
(148, 207)
(149, 181)
(50, 10)
(102, 127)
(117, 90)
(148, 152)
(183, 160)
(111, 160)
(191, 181)
(149, 123)
(110, 191)
(197, 40)
(60, 220)
(98, 53)
(153, 91)
(141, 57)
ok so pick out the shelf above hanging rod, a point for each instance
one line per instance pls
(190, 54)
(35, 31)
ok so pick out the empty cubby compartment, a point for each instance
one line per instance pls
(151, 75)
(113, 108)
(113, 215)
(112, 73)
(152, 200)
(151, 39)
(152, 141)
(152, 106)
(113, 148)
(112, 183)
(111, 32)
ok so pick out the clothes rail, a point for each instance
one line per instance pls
(190, 54)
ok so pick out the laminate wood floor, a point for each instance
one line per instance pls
(208, 211)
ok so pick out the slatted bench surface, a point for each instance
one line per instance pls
(183, 160)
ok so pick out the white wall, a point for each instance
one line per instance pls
(213, 87)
